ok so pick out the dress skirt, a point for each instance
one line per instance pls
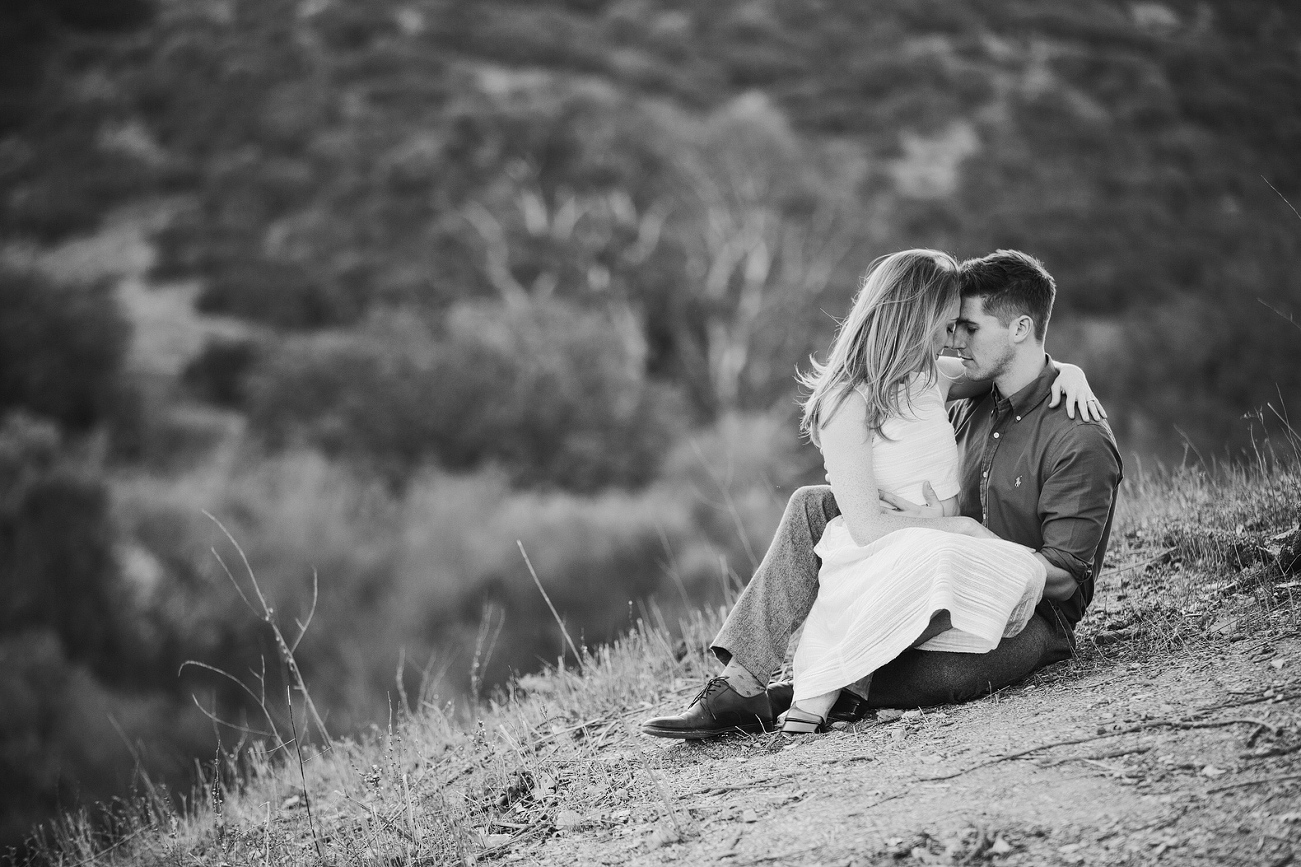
(875, 601)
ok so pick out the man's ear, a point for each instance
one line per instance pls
(1022, 329)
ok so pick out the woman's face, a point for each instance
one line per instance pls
(944, 330)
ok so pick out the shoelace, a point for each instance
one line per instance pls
(713, 682)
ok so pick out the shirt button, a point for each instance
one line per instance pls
(984, 475)
(995, 436)
(1018, 418)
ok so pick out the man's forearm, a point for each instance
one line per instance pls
(1060, 584)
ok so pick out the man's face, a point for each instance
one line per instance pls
(982, 342)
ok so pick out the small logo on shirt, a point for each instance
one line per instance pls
(1017, 483)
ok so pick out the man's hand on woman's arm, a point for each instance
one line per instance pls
(901, 508)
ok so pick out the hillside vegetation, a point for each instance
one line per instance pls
(552, 768)
(387, 287)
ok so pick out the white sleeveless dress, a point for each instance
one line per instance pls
(874, 601)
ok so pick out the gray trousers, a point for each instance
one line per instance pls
(781, 593)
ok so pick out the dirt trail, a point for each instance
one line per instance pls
(1156, 789)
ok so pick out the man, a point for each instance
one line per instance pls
(1030, 474)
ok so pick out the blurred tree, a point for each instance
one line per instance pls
(768, 224)
(542, 388)
(57, 566)
(61, 349)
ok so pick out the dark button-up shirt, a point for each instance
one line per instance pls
(1036, 476)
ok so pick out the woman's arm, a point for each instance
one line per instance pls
(954, 383)
(847, 455)
(1071, 384)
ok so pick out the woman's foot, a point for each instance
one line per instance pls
(800, 722)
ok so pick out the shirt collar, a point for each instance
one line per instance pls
(1033, 394)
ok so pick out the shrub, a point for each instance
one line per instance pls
(548, 392)
(57, 566)
(61, 349)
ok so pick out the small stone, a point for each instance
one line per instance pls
(749, 815)
(1212, 771)
(568, 819)
(662, 837)
(888, 714)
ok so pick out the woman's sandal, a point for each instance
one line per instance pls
(801, 722)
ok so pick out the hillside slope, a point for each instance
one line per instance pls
(1177, 727)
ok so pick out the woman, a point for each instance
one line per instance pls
(876, 410)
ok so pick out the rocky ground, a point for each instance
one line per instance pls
(1191, 758)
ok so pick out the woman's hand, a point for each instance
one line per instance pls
(1072, 384)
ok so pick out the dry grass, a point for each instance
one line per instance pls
(1198, 555)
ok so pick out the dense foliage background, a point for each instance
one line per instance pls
(385, 287)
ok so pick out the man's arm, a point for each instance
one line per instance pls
(1074, 504)
(1075, 501)
(1060, 584)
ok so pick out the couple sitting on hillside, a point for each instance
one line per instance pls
(952, 554)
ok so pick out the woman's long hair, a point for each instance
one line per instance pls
(885, 340)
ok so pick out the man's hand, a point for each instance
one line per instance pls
(898, 505)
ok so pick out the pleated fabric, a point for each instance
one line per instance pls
(874, 601)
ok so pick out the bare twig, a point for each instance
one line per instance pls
(1281, 778)
(311, 612)
(480, 661)
(664, 796)
(1281, 314)
(239, 728)
(1127, 730)
(672, 567)
(783, 856)
(383, 820)
(267, 615)
(1280, 195)
(302, 773)
(1149, 561)
(740, 787)
(93, 858)
(261, 700)
(732, 511)
(554, 612)
(1109, 754)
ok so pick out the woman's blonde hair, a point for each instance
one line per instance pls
(885, 340)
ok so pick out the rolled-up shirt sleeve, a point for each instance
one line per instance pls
(1076, 497)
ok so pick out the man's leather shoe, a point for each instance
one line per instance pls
(848, 707)
(717, 710)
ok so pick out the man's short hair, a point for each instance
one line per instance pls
(1010, 284)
